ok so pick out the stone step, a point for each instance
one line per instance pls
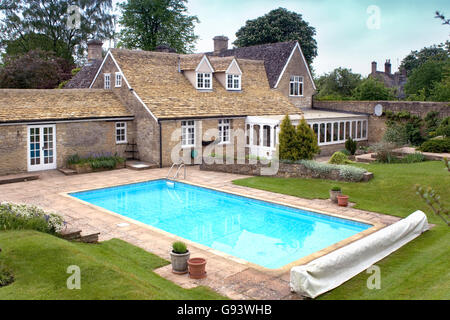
(67, 172)
(13, 178)
(90, 238)
(71, 234)
(365, 158)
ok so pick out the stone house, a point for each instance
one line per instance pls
(168, 106)
(395, 80)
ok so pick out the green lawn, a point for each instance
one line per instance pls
(418, 270)
(111, 270)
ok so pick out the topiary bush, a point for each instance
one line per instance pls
(179, 247)
(297, 143)
(351, 146)
(436, 146)
(339, 158)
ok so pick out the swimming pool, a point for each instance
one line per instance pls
(267, 234)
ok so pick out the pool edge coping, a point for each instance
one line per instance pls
(376, 226)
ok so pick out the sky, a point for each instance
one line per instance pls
(350, 33)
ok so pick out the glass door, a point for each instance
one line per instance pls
(41, 148)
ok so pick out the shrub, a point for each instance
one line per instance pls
(413, 158)
(431, 123)
(22, 217)
(6, 276)
(384, 151)
(444, 128)
(351, 146)
(179, 247)
(345, 172)
(396, 134)
(339, 158)
(297, 144)
(99, 161)
(436, 146)
(346, 152)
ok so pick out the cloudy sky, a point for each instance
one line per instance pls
(349, 33)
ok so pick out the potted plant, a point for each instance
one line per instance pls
(334, 192)
(179, 256)
(197, 268)
(342, 200)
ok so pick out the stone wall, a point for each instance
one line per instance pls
(201, 127)
(13, 149)
(377, 125)
(148, 128)
(296, 67)
(285, 170)
(87, 138)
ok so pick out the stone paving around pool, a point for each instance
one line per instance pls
(227, 275)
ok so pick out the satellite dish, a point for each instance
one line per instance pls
(378, 110)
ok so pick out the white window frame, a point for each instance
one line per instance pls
(186, 141)
(119, 79)
(107, 81)
(296, 82)
(234, 77)
(225, 131)
(341, 138)
(121, 131)
(202, 82)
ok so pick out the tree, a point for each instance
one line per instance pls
(372, 89)
(338, 84)
(417, 58)
(424, 78)
(150, 23)
(297, 144)
(307, 141)
(53, 20)
(278, 26)
(34, 70)
(287, 138)
(442, 17)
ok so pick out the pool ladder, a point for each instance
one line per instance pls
(179, 166)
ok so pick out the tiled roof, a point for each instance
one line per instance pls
(168, 94)
(85, 76)
(221, 64)
(190, 61)
(274, 55)
(18, 105)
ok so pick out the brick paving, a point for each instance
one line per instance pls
(226, 275)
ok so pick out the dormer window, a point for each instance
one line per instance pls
(296, 86)
(118, 79)
(107, 81)
(233, 82)
(204, 81)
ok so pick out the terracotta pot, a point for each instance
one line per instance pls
(334, 195)
(179, 262)
(197, 268)
(342, 201)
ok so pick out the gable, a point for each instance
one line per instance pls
(204, 66)
(234, 69)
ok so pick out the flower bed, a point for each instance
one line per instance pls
(95, 163)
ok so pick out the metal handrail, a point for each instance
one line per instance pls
(179, 166)
(178, 171)
(171, 168)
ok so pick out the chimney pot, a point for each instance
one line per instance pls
(374, 67)
(220, 44)
(95, 50)
(388, 67)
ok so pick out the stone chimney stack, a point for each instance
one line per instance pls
(95, 50)
(220, 44)
(374, 68)
(387, 67)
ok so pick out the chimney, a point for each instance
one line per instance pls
(165, 48)
(387, 67)
(220, 44)
(374, 68)
(95, 50)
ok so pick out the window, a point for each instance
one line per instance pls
(121, 132)
(266, 136)
(296, 87)
(204, 81)
(187, 133)
(118, 79)
(107, 81)
(233, 82)
(224, 131)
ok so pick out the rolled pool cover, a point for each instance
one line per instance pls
(332, 270)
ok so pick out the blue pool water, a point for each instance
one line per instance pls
(260, 232)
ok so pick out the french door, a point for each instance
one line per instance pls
(41, 147)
